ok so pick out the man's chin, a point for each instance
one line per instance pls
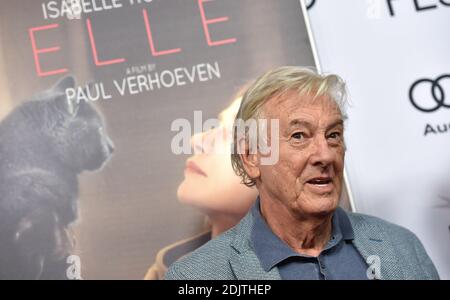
(323, 207)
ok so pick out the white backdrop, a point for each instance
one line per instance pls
(395, 58)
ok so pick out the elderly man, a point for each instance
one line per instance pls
(296, 230)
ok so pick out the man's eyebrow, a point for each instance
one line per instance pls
(299, 122)
(336, 123)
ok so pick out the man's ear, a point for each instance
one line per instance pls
(250, 161)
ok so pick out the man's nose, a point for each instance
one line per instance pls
(322, 155)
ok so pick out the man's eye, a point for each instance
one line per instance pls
(335, 135)
(298, 135)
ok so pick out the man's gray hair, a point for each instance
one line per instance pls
(276, 83)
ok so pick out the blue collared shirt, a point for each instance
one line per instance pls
(338, 260)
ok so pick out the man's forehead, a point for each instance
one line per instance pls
(293, 106)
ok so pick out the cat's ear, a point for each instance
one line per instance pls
(72, 106)
(67, 105)
(82, 104)
(58, 91)
(64, 83)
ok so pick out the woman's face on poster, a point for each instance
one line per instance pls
(210, 183)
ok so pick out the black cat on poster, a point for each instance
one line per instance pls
(45, 143)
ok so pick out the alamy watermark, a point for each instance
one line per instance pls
(73, 271)
(250, 136)
(374, 269)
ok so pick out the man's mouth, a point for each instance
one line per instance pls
(321, 184)
(320, 180)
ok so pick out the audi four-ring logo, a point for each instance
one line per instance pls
(438, 97)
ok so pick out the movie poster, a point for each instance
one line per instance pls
(92, 95)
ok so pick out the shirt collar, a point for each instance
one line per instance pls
(271, 250)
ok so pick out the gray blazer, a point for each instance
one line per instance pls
(230, 255)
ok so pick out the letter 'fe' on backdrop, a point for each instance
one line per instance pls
(394, 56)
(91, 156)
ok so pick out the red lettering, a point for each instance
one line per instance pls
(150, 38)
(37, 51)
(94, 49)
(206, 22)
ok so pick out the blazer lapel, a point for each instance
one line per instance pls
(246, 266)
(376, 248)
(244, 262)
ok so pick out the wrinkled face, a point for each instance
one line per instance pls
(308, 177)
(210, 183)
